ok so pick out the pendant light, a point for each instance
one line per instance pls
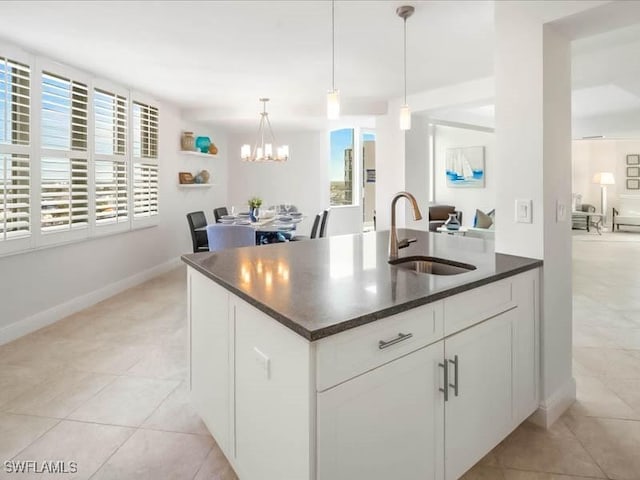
(333, 97)
(263, 152)
(405, 12)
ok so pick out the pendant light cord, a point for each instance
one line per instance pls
(333, 46)
(405, 60)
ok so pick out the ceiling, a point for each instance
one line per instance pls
(214, 59)
(217, 58)
(605, 84)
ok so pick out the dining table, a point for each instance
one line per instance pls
(268, 229)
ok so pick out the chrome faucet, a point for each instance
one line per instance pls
(394, 244)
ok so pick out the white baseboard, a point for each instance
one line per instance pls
(552, 408)
(52, 315)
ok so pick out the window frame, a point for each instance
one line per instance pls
(110, 228)
(38, 239)
(356, 166)
(143, 222)
(81, 233)
(16, 245)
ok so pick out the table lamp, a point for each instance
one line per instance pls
(603, 179)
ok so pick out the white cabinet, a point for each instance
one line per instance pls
(367, 403)
(350, 353)
(385, 424)
(479, 409)
(273, 398)
(209, 339)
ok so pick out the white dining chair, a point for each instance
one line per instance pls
(230, 236)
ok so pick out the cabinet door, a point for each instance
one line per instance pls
(481, 415)
(385, 424)
(209, 338)
(273, 398)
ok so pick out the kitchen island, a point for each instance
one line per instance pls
(319, 360)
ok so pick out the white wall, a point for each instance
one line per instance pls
(533, 150)
(465, 199)
(390, 165)
(395, 163)
(592, 156)
(40, 287)
(417, 172)
(302, 181)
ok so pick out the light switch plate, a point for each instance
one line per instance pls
(523, 211)
(561, 211)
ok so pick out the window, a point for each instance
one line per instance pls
(145, 131)
(84, 162)
(145, 166)
(14, 196)
(145, 190)
(14, 102)
(15, 165)
(111, 163)
(342, 167)
(64, 187)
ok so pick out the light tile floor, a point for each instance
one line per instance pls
(599, 437)
(106, 388)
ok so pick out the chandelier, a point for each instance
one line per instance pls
(263, 152)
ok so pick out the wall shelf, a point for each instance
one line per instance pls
(195, 185)
(197, 154)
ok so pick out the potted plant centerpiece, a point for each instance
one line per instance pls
(254, 208)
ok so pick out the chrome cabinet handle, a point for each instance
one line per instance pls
(400, 338)
(454, 385)
(445, 390)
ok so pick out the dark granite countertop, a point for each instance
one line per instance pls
(321, 287)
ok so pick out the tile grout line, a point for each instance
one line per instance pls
(159, 404)
(203, 461)
(584, 447)
(37, 438)
(92, 396)
(554, 473)
(116, 450)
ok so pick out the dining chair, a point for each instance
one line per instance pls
(324, 224)
(219, 212)
(198, 220)
(230, 236)
(314, 231)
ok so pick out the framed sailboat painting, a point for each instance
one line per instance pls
(465, 167)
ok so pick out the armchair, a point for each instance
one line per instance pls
(581, 221)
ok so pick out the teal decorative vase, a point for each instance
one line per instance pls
(203, 143)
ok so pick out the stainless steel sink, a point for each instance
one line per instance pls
(432, 265)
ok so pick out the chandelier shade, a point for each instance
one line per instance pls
(263, 149)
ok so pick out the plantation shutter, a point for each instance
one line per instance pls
(15, 165)
(64, 157)
(145, 166)
(111, 158)
(15, 191)
(145, 190)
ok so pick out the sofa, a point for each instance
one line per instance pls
(628, 212)
(438, 214)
